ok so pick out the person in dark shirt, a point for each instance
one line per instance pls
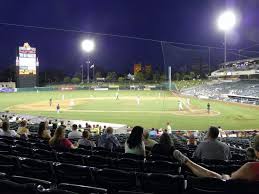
(165, 147)
(108, 140)
(208, 108)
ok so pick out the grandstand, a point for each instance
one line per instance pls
(32, 166)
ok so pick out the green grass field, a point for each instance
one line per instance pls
(153, 111)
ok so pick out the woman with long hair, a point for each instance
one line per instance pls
(59, 140)
(135, 144)
(165, 146)
(43, 131)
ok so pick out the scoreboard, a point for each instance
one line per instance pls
(27, 66)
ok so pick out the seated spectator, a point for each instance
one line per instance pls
(85, 140)
(43, 131)
(74, 134)
(135, 144)
(250, 154)
(248, 172)
(54, 127)
(108, 140)
(5, 131)
(147, 141)
(59, 140)
(153, 133)
(95, 129)
(211, 148)
(80, 129)
(165, 147)
(23, 131)
(192, 140)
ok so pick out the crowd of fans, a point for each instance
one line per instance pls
(220, 90)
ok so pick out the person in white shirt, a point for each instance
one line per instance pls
(74, 134)
(168, 128)
(6, 130)
(138, 100)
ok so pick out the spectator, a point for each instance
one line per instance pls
(153, 133)
(54, 127)
(211, 148)
(6, 130)
(23, 131)
(80, 129)
(135, 144)
(108, 140)
(85, 140)
(165, 147)
(43, 131)
(59, 140)
(168, 128)
(250, 154)
(74, 134)
(147, 141)
(192, 140)
(248, 172)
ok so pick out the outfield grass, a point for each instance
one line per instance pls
(153, 111)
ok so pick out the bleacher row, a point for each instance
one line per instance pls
(97, 170)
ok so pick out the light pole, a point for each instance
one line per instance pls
(87, 46)
(226, 22)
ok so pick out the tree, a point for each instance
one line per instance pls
(192, 75)
(111, 76)
(121, 79)
(156, 76)
(177, 76)
(162, 78)
(98, 74)
(75, 80)
(139, 77)
(67, 80)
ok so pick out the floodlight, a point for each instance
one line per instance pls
(226, 21)
(88, 45)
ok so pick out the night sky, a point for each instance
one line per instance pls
(187, 21)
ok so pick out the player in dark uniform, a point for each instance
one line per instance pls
(208, 108)
(50, 102)
(58, 108)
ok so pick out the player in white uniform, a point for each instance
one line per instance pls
(117, 96)
(58, 109)
(138, 100)
(188, 101)
(180, 105)
(72, 102)
(63, 97)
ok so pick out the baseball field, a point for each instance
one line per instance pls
(155, 109)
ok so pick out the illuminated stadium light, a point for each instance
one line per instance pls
(88, 45)
(227, 21)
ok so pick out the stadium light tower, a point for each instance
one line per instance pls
(226, 22)
(87, 46)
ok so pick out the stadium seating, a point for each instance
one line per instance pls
(26, 164)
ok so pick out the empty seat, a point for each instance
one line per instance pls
(44, 155)
(76, 174)
(25, 180)
(67, 157)
(81, 151)
(204, 185)
(4, 148)
(162, 183)
(35, 168)
(10, 187)
(161, 166)
(130, 164)
(98, 161)
(21, 151)
(115, 180)
(132, 156)
(8, 164)
(241, 186)
(82, 189)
